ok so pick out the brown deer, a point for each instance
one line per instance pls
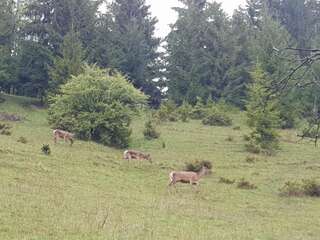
(187, 177)
(66, 136)
(133, 154)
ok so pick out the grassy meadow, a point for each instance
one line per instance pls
(88, 191)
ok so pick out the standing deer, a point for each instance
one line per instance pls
(67, 136)
(187, 177)
(133, 154)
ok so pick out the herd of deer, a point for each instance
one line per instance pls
(174, 176)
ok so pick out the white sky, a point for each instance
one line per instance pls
(162, 10)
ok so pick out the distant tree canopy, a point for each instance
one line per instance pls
(207, 55)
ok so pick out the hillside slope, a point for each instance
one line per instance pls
(88, 192)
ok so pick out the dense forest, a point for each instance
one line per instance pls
(266, 51)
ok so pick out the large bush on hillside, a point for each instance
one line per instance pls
(96, 105)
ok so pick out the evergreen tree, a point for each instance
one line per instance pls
(198, 52)
(71, 62)
(263, 116)
(238, 73)
(7, 32)
(135, 49)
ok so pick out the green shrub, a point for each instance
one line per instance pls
(150, 131)
(305, 188)
(96, 105)
(5, 129)
(226, 180)
(184, 112)
(22, 140)
(229, 139)
(244, 184)
(214, 117)
(46, 149)
(196, 166)
(199, 110)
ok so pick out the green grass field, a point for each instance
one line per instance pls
(89, 192)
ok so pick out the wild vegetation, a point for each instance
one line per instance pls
(88, 191)
(214, 90)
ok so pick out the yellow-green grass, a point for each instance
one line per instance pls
(88, 191)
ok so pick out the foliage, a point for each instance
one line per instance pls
(184, 111)
(97, 105)
(305, 188)
(46, 149)
(22, 140)
(197, 165)
(133, 48)
(215, 117)
(70, 64)
(263, 117)
(244, 184)
(5, 129)
(150, 132)
(226, 180)
(198, 52)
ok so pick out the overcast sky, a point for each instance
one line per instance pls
(162, 10)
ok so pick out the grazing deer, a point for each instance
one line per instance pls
(58, 133)
(187, 177)
(133, 154)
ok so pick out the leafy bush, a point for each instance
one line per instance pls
(96, 105)
(5, 129)
(244, 184)
(184, 111)
(196, 166)
(150, 131)
(46, 149)
(166, 112)
(305, 188)
(22, 140)
(214, 117)
(226, 180)
(229, 139)
(199, 110)
(236, 128)
(250, 159)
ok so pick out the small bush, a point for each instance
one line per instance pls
(22, 140)
(196, 166)
(214, 117)
(246, 138)
(199, 110)
(311, 188)
(250, 159)
(226, 180)
(163, 145)
(244, 184)
(2, 100)
(184, 112)
(236, 128)
(46, 149)
(298, 189)
(5, 129)
(253, 148)
(150, 131)
(229, 139)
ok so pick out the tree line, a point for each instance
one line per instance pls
(207, 54)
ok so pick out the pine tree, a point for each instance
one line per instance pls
(263, 117)
(135, 48)
(198, 52)
(7, 32)
(71, 62)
